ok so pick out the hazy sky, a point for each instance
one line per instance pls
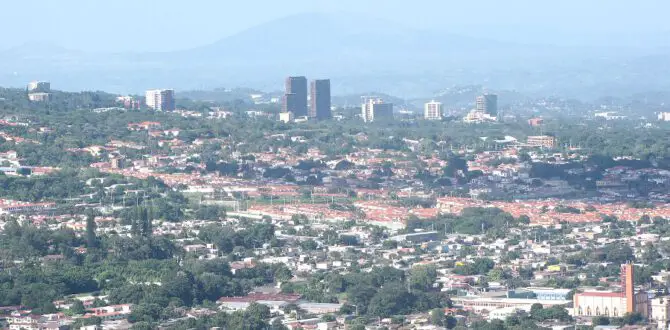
(157, 25)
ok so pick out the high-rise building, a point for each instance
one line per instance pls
(39, 91)
(320, 99)
(488, 104)
(288, 103)
(295, 97)
(375, 109)
(160, 99)
(39, 87)
(432, 110)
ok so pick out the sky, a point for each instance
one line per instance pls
(164, 25)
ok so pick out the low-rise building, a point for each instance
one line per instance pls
(660, 312)
(479, 304)
(544, 141)
(39, 97)
(286, 117)
(613, 304)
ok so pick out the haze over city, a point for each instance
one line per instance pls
(335, 165)
(125, 25)
(127, 46)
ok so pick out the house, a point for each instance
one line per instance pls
(320, 308)
(21, 322)
(273, 301)
(112, 312)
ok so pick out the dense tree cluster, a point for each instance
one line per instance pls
(471, 221)
(480, 266)
(60, 185)
(527, 320)
(141, 270)
(384, 291)
(254, 317)
(226, 238)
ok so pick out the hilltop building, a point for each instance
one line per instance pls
(39, 97)
(39, 91)
(486, 109)
(39, 87)
(160, 99)
(488, 104)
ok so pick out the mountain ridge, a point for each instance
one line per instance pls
(359, 53)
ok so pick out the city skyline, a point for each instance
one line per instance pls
(335, 164)
(527, 213)
(398, 55)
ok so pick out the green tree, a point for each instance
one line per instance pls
(389, 244)
(142, 326)
(495, 274)
(437, 317)
(600, 320)
(77, 307)
(309, 245)
(619, 254)
(258, 311)
(391, 299)
(644, 220)
(283, 274)
(422, 278)
(633, 318)
(91, 238)
(277, 325)
(450, 322)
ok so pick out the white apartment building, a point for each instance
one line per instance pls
(432, 111)
(160, 99)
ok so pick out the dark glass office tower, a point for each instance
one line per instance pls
(295, 99)
(320, 99)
